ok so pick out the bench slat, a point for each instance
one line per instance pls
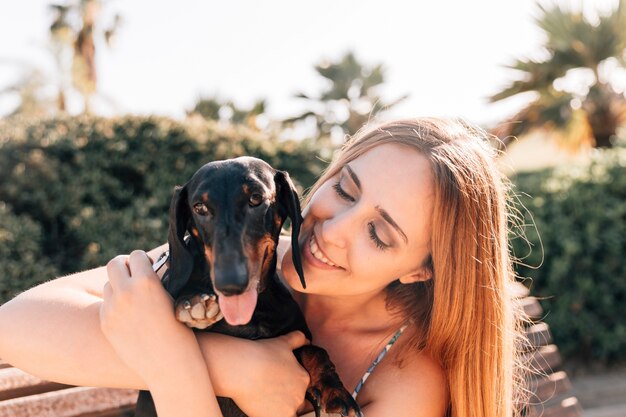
(518, 290)
(532, 308)
(539, 335)
(568, 407)
(549, 387)
(545, 359)
(71, 402)
(17, 383)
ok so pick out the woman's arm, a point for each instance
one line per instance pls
(263, 376)
(53, 331)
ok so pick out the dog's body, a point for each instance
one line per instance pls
(234, 211)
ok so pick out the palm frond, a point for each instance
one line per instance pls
(300, 117)
(572, 41)
(302, 95)
(536, 76)
(551, 109)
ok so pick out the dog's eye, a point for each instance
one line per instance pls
(255, 199)
(200, 209)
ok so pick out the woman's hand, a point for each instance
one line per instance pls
(262, 376)
(137, 318)
(137, 315)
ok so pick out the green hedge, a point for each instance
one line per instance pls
(22, 261)
(578, 266)
(74, 192)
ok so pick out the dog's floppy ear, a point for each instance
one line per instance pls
(288, 201)
(181, 259)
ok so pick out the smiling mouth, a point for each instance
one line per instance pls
(317, 253)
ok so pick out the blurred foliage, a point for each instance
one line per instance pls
(576, 49)
(29, 89)
(75, 192)
(577, 265)
(350, 100)
(22, 262)
(226, 111)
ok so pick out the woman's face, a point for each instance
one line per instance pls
(368, 225)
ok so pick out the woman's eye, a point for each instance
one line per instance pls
(341, 193)
(379, 243)
(255, 199)
(201, 209)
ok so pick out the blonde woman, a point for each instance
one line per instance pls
(404, 246)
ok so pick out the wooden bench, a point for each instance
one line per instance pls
(549, 387)
(23, 395)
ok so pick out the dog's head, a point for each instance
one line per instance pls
(233, 211)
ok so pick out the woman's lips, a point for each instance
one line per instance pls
(314, 255)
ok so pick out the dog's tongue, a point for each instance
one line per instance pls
(238, 309)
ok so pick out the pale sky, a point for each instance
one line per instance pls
(448, 55)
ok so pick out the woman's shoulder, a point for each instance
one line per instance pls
(410, 382)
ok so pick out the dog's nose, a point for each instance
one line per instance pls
(231, 290)
(231, 280)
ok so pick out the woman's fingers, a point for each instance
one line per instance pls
(140, 265)
(107, 291)
(295, 339)
(118, 272)
(126, 270)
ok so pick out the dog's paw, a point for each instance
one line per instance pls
(334, 401)
(198, 311)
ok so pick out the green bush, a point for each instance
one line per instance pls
(77, 191)
(21, 257)
(577, 263)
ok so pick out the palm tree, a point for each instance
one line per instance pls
(80, 40)
(350, 100)
(574, 46)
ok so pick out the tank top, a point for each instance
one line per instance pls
(369, 371)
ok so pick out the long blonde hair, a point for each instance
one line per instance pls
(466, 312)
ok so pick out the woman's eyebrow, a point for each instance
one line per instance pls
(356, 180)
(393, 224)
(380, 210)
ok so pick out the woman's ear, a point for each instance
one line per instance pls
(422, 274)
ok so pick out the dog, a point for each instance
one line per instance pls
(233, 212)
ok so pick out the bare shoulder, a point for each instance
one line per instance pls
(415, 386)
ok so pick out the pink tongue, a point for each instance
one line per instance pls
(238, 309)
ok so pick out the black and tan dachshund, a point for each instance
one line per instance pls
(224, 229)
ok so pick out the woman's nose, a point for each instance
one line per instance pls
(336, 230)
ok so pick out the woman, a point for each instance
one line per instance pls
(404, 245)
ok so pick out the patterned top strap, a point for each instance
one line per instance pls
(380, 357)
